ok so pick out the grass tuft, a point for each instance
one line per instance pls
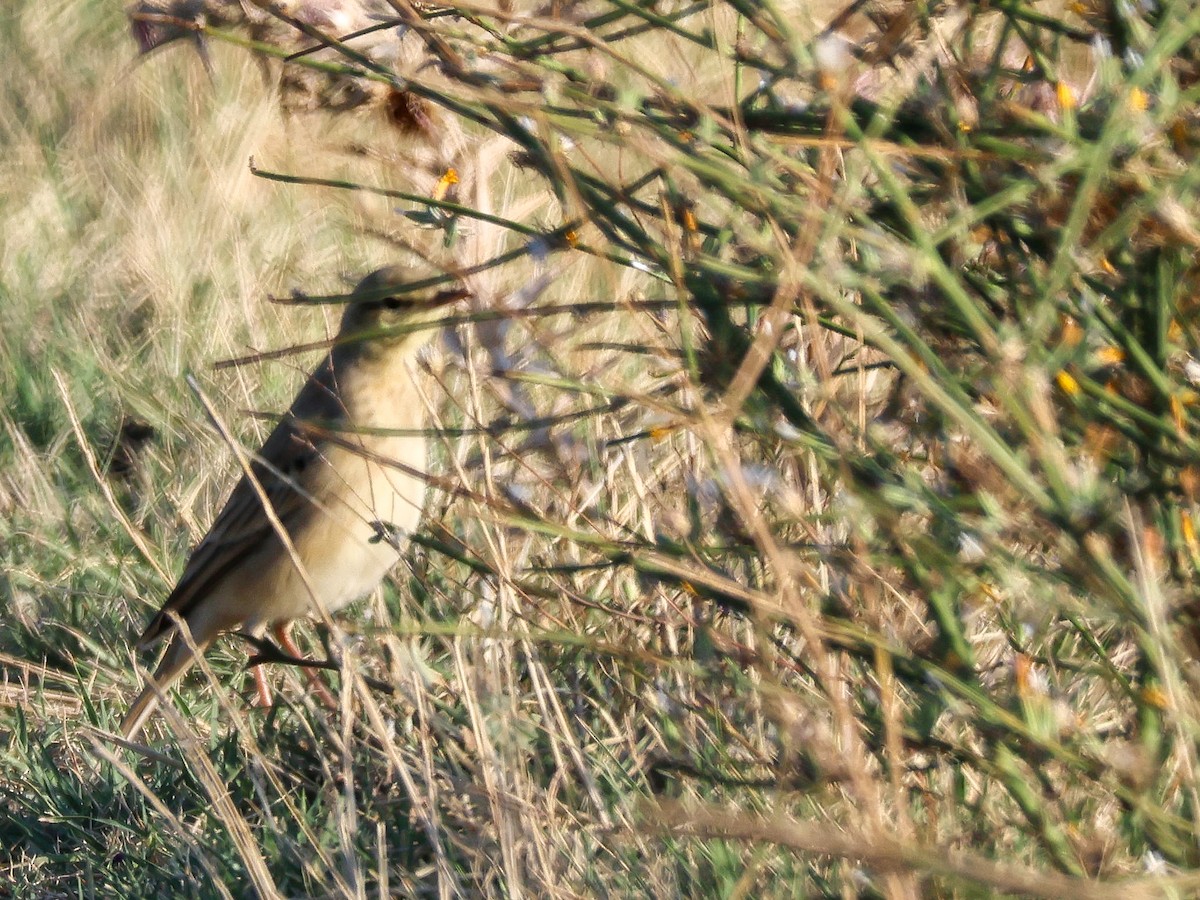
(813, 501)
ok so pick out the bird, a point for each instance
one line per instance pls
(342, 472)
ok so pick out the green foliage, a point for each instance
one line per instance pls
(826, 528)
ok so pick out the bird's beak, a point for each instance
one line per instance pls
(448, 296)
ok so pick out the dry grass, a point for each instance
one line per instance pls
(814, 519)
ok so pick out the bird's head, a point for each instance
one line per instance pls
(389, 308)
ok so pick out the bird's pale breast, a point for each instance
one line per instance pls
(364, 503)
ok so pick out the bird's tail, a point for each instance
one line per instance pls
(178, 659)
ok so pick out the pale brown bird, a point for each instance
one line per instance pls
(345, 491)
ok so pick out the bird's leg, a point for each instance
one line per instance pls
(262, 690)
(283, 634)
(267, 652)
(263, 696)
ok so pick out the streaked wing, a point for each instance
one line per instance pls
(242, 527)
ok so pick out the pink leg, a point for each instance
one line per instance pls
(262, 689)
(283, 634)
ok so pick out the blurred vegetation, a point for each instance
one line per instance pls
(817, 483)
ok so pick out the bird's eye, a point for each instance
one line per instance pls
(394, 303)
